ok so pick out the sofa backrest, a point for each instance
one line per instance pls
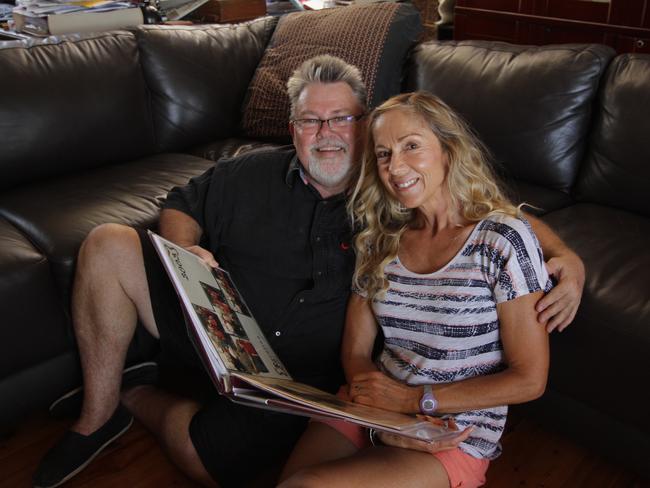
(198, 78)
(616, 171)
(530, 105)
(67, 105)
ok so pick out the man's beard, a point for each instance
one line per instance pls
(321, 168)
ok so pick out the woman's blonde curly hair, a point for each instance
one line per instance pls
(380, 220)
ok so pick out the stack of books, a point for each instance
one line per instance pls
(55, 17)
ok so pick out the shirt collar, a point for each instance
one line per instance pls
(295, 169)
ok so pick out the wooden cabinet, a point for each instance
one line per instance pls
(630, 44)
(622, 24)
(229, 11)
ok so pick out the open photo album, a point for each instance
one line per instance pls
(241, 362)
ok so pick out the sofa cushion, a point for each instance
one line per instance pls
(599, 359)
(33, 319)
(67, 105)
(617, 168)
(530, 105)
(58, 214)
(198, 78)
(373, 37)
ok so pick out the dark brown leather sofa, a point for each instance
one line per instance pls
(97, 129)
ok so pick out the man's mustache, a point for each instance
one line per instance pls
(328, 144)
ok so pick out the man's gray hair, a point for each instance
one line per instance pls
(325, 69)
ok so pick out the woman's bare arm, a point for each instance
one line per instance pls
(358, 337)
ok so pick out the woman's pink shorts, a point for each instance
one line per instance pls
(462, 469)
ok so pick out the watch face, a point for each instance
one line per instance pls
(428, 404)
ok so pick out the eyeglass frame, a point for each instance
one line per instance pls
(348, 118)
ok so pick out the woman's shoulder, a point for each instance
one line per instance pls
(505, 227)
(515, 250)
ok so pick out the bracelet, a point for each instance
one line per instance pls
(374, 438)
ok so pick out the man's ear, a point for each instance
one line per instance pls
(291, 129)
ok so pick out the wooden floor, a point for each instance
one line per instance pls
(532, 458)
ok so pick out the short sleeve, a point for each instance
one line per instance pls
(191, 198)
(521, 267)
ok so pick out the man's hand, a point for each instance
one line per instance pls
(430, 447)
(558, 307)
(378, 390)
(204, 254)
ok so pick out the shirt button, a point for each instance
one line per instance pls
(319, 273)
(317, 238)
(302, 300)
(278, 333)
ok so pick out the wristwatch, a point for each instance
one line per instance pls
(428, 402)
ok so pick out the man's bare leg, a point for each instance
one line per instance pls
(168, 417)
(110, 293)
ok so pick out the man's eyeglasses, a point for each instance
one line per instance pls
(314, 125)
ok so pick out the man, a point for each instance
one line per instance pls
(276, 220)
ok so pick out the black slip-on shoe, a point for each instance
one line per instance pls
(75, 451)
(69, 404)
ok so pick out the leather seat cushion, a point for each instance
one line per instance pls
(197, 77)
(33, 321)
(599, 359)
(71, 104)
(59, 213)
(616, 170)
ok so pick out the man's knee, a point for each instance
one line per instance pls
(108, 238)
(109, 243)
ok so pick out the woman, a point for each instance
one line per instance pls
(451, 272)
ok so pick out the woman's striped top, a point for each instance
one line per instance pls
(443, 327)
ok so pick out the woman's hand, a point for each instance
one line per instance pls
(378, 390)
(446, 444)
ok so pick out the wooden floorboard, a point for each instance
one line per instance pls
(133, 461)
(531, 457)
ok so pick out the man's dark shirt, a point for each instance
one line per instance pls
(287, 249)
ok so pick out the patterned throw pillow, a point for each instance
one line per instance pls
(374, 37)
